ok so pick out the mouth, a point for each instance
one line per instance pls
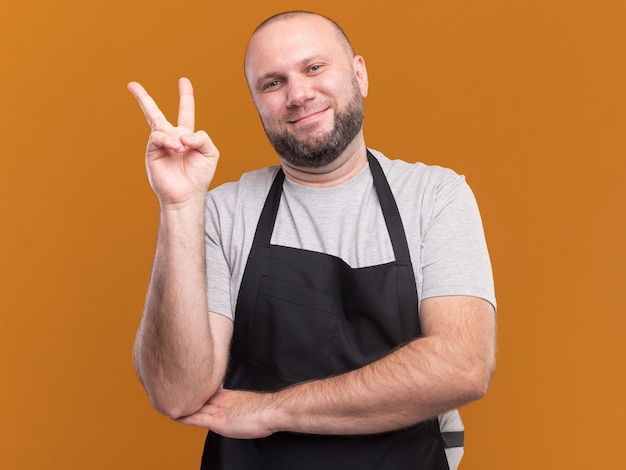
(307, 118)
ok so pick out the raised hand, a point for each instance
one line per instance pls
(181, 163)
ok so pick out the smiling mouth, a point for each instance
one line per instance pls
(306, 118)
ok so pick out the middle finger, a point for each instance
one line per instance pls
(186, 106)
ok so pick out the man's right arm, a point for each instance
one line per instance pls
(181, 349)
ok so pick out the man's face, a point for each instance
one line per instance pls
(308, 89)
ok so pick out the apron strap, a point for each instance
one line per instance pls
(390, 211)
(265, 227)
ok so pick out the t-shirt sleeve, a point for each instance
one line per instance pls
(455, 256)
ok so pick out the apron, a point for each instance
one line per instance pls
(303, 315)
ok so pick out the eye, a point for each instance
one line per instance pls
(269, 86)
(315, 68)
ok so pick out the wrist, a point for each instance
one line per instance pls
(278, 418)
(190, 206)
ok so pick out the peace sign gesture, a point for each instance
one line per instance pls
(181, 163)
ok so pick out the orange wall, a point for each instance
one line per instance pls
(524, 97)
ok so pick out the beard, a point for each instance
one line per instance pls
(324, 149)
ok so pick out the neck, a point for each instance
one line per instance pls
(345, 167)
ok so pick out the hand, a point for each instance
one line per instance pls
(235, 414)
(181, 163)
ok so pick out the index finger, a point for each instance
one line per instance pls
(155, 117)
(187, 105)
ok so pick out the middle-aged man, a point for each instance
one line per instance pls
(332, 312)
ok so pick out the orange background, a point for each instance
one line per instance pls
(525, 97)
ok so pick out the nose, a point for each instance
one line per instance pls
(299, 91)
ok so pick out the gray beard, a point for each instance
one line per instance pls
(325, 149)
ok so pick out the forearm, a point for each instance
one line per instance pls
(450, 366)
(174, 355)
(415, 383)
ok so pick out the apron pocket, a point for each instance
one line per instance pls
(294, 330)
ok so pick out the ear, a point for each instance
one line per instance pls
(360, 72)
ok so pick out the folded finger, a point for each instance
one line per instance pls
(201, 142)
(160, 139)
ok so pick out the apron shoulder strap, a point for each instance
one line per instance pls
(265, 227)
(390, 211)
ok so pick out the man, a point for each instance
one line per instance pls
(360, 287)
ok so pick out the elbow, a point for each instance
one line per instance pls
(177, 407)
(476, 389)
(174, 410)
(173, 398)
(173, 401)
(478, 372)
(477, 382)
(177, 402)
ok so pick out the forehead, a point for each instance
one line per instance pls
(291, 40)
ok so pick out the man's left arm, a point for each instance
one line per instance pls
(449, 366)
